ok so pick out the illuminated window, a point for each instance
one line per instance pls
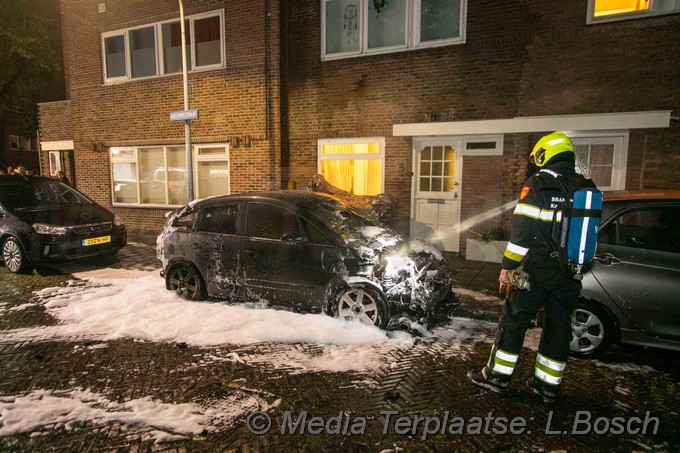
(613, 10)
(355, 166)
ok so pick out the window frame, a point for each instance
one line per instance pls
(412, 32)
(352, 141)
(158, 48)
(653, 11)
(55, 157)
(620, 157)
(135, 158)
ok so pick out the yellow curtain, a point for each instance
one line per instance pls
(607, 7)
(357, 176)
(338, 172)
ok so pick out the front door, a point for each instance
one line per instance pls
(435, 208)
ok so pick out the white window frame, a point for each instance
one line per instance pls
(620, 159)
(352, 141)
(55, 161)
(158, 34)
(413, 8)
(135, 159)
(654, 10)
(211, 158)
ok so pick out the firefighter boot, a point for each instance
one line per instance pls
(488, 379)
(547, 392)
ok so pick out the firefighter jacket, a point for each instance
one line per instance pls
(538, 214)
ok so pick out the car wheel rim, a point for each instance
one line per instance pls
(183, 282)
(11, 255)
(358, 304)
(587, 331)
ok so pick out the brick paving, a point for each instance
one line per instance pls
(426, 379)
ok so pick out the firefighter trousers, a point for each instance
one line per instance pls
(558, 295)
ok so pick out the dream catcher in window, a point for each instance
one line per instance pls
(349, 22)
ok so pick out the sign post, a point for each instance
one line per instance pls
(187, 121)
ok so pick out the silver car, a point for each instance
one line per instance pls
(631, 294)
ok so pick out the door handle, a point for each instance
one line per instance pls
(607, 259)
(251, 252)
(195, 245)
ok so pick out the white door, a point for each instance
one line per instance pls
(435, 207)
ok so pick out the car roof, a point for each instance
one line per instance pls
(296, 197)
(13, 179)
(642, 194)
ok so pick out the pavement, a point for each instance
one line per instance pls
(624, 388)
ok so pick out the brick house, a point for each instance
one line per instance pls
(436, 103)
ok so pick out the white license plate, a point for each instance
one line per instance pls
(95, 241)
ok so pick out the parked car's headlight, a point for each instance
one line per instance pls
(117, 221)
(42, 228)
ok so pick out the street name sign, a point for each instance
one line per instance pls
(183, 115)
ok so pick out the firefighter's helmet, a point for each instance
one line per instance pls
(549, 146)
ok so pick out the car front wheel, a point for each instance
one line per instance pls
(591, 330)
(186, 282)
(363, 303)
(13, 255)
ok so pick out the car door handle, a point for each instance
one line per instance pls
(607, 259)
(195, 245)
(251, 252)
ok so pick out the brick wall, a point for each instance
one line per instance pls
(241, 101)
(521, 58)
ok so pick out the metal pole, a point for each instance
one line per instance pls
(187, 123)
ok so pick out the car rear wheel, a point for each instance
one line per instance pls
(363, 303)
(13, 255)
(591, 330)
(186, 282)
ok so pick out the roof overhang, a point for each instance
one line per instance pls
(60, 145)
(586, 122)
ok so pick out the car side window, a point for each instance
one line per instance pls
(272, 222)
(220, 219)
(654, 228)
(185, 222)
(315, 236)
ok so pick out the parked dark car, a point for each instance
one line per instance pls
(42, 219)
(631, 293)
(298, 249)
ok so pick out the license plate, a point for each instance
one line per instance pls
(95, 241)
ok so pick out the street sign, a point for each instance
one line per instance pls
(183, 115)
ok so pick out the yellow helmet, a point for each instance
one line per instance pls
(549, 146)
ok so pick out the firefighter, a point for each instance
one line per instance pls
(536, 221)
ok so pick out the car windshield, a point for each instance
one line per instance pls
(343, 219)
(40, 195)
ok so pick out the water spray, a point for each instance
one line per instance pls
(479, 218)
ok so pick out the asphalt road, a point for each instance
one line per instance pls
(628, 400)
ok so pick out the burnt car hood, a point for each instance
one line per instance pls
(65, 215)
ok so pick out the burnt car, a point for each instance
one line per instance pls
(631, 293)
(307, 251)
(43, 220)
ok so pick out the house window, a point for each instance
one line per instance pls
(614, 10)
(156, 176)
(14, 142)
(19, 143)
(356, 165)
(56, 162)
(156, 49)
(602, 158)
(363, 27)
